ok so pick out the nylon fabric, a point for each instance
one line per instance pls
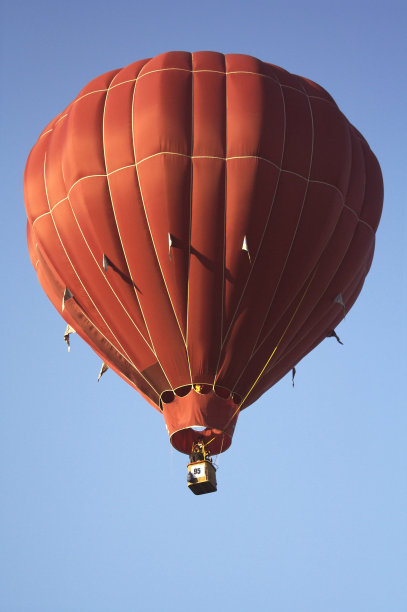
(212, 150)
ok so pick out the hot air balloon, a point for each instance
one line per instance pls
(202, 221)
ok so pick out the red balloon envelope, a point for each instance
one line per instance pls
(202, 221)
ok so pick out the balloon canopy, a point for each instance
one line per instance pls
(203, 221)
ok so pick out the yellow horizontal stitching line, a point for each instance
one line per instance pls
(74, 185)
(259, 74)
(268, 161)
(52, 129)
(144, 74)
(90, 93)
(364, 222)
(267, 76)
(314, 97)
(175, 153)
(60, 119)
(119, 169)
(331, 102)
(122, 83)
(82, 179)
(318, 182)
(210, 157)
(197, 382)
(68, 194)
(47, 132)
(186, 70)
(48, 211)
(206, 157)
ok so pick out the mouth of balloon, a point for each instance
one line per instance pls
(215, 441)
(203, 416)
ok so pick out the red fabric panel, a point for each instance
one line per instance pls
(162, 118)
(205, 289)
(117, 126)
(167, 208)
(331, 152)
(35, 194)
(280, 367)
(145, 271)
(209, 113)
(75, 316)
(259, 294)
(252, 185)
(129, 74)
(94, 225)
(98, 84)
(325, 315)
(298, 142)
(373, 191)
(83, 153)
(255, 117)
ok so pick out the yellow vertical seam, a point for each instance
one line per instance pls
(105, 277)
(296, 228)
(221, 344)
(190, 216)
(149, 227)
(256, 348)
(258, 248)
(76, 272)
(261, 239)
(152, 348)
(361, 266)
(280, 340)
(273, 352)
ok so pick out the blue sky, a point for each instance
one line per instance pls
(311, 511)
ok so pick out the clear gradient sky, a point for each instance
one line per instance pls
(311, 511)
